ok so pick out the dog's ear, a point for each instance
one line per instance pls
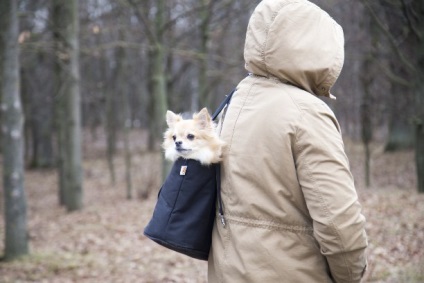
(172, 118)
(203, 119)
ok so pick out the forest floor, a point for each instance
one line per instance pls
(104, 241)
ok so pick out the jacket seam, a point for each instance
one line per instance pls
(335, 73)
(226, 243)
(264, 45)
(269, 225)
(238, 115)
(324, 205)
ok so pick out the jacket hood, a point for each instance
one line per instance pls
(296, 42)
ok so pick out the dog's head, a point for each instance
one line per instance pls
(188, 138)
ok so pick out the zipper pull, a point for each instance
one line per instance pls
(222, 219)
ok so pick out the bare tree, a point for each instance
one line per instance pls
(154, 30)
(368, 79)
(407, 18)
(36, 91)
(123, 91)
(16, 239)
(66, 27)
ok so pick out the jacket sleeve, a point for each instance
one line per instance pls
(330, 195)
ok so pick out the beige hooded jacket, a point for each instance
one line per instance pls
(291, 209)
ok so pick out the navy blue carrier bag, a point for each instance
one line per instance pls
(185, 211)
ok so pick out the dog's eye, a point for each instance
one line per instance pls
(190, 137)
(174, 137)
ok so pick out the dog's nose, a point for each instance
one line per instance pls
(178, 143)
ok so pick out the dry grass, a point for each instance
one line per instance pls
(104, 241)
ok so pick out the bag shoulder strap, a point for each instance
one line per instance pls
(225, 102)
(218, 166)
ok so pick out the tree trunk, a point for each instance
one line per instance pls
(365, 113)
(123, 91)
(157, 87)
(16, 239)
(367, 78)
(419, 156)
(1, 82)
(160, 104)
(66, 25)
(2, 24)
(38, 130)
(401, 132)
(111, 128)
(159, 101)
(419, 118)
(419, 92)
(204, 31)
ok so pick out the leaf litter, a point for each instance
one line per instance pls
(104, 241)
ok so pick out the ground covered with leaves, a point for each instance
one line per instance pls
(104, 241)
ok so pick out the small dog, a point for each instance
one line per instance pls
(192, 139)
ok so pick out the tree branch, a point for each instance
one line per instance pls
(409, 20)
(393, 77)
(144, 20)
(389, 36)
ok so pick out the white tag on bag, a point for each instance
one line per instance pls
(183, 170)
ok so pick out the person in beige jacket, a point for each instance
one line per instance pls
(290, 206)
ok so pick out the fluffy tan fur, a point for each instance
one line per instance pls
(195, 138)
